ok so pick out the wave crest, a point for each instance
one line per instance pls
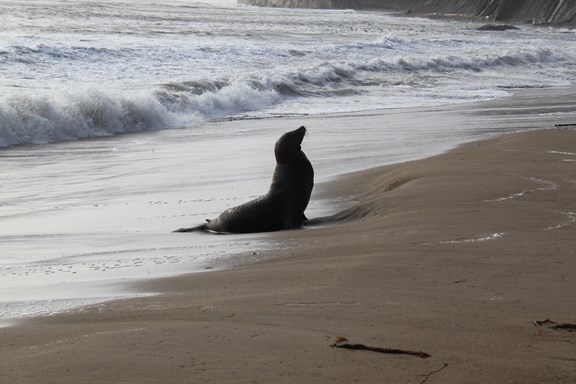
(74, 115)
(43, 53)
(42, 120)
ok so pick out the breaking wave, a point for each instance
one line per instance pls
(43, 53)
(77, 114)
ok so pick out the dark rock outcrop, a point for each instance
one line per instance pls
(497, 27)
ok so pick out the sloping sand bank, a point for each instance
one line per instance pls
(456, 256)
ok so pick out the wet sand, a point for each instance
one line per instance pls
(455, 255)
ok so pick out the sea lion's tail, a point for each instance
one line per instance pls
(199, 228)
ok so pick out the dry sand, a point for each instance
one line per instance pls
(455, 255)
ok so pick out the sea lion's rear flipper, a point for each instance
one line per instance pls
(198, 228)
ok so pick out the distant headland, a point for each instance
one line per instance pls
(520, 11)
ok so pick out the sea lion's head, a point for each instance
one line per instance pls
(288, 148)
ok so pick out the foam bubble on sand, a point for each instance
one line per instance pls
(509, 197)
(571, 219)
(562, 153)
(494, 236)
(544, 185)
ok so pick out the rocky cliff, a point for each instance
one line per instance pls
(535, 11)
(402, 5)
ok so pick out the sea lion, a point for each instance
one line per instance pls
(283, 206)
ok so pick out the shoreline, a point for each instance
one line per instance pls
(422, 132)
(455, 255)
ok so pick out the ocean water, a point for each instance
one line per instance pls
(123, 120)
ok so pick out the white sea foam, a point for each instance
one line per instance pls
(543, 185)
(562, 153)
(494, 236)
(41, 120)
(570, 220)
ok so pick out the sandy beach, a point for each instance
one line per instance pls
(457, 255)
